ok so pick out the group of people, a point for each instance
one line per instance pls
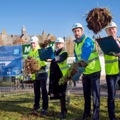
(18, 81)
(84, 49)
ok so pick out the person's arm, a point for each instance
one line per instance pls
(76, 59)
(87, 48)
(116, 54)
(61, 57)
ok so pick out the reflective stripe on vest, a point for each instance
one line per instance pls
(63, 66)
(111, 61)
(111, 65)
(81, 54)
(93, 60)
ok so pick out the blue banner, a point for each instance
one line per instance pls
(11, 60)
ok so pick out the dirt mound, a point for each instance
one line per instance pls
(98, 18)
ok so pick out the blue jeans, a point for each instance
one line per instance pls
(91, 86)
(111, 85)
(40, 87)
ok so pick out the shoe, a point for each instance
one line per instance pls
(62, 116)
(85, 116)
(65, 110)
(113, 118)
(35, 108)
(43, 112)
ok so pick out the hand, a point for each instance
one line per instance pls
(49, 60)
(117, 54)
(29, 75)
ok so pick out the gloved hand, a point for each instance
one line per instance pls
(78, 74)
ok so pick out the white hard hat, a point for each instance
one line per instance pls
(34, 39)
(77, 25)
(112, 24)
(59, 39)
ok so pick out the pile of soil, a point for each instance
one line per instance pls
(31, 65)
(45, 43)
(73, 69)
(98, 18)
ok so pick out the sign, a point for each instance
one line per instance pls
(25, 50)
(11, 60)
(52, 44)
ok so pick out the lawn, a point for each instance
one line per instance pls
(19, 108)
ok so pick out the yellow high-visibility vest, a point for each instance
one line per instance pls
(93, 60)
(111, 65)
(63, 65)
(34, 53)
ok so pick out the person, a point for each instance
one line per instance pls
(13, 80)
(85, 49)
(112, 71)
(17, 82)
(114, 34)
(21, 81)
(58, 68)
(40, 79)
(118, 81)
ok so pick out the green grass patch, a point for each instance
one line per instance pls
(18, 107)
(6, 84)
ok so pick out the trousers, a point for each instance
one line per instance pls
(40, 87)
(111, 85)
(91, 87)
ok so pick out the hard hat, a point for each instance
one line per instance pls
(59, 39)
(112, 24)
(34, 39)
(77, 25)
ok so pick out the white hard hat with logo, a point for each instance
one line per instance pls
(34, 39)
(59, 39)
(77, 25)
(112, 24)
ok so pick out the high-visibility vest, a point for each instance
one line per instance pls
(111, 65)
(93, 60)
(35, 55)
(63, 65)
(17, 77)
(21, 77)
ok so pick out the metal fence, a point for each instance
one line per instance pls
(10, 87)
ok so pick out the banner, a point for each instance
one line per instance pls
(11, 60)
(25, 50)
(52, 44)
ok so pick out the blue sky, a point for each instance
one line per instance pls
(52, 16)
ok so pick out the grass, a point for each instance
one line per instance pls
(19, 108)
(5, 84)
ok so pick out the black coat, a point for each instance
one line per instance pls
(56, 91)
